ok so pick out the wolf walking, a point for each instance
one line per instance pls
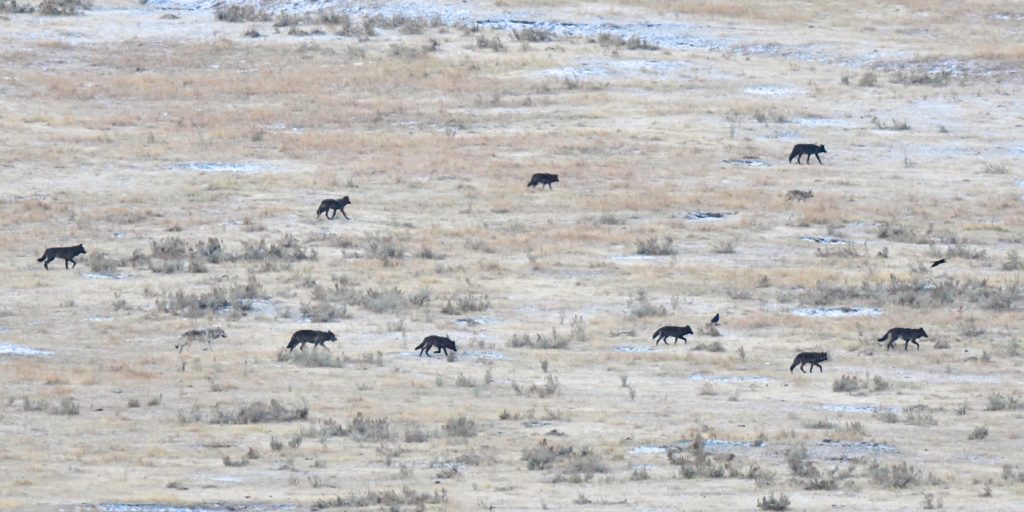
(671, 331)
(209, 335)
(808, 150)
(335, 205)
(909, 335)
(439, 342)
(811, 358)
(300, 338)
(65, 253)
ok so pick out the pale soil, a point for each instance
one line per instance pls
(120, 128)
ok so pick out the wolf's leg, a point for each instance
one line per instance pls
(343, 214)
(816, 155)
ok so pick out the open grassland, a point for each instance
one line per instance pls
(189, 155)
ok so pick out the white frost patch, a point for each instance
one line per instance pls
(748, 161)
(732, 378)
(708, 215)
(863, 409)
(837, 312)
(633, 257)
(718, 445)
(822, 122)
(10, 349)
(860, 446)
(101, 318)
(119, 275)
(126, 507)
(646, 450)
(826, 240)
(488, 355)
(1020, 184)
(772, 90)
(221, 167)
(633, 349)
(470, 322)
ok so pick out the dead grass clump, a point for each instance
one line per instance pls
(841, 251)
(715, 346)
(1000, 402)
(287, 249)
(896, 476)
(963, 251)
(63, 7)
(555, 341)
(533, 35)
(383, 301)
(978, 433)
(545, 390)
(937, 78)
(919, 415)
(385, 500)
(1013, 261)
(656, 247)
(101, 263)
(491, 43)
(631, 43)
(573, 466)
(364, 429)
(237, 13)
(770, 502)
(465, 304)
(12, 7)
(311, 359)
(387, 248)
(415, 433)
(321, 312)
(898, 232)
(695, 462)
(640, 306)
(238, 300)
(252, 412)
(867, 79)
(460, 427)
(172, 254)
(917, 292)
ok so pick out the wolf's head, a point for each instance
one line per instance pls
(217, 332)
(343, 201)
(80, 249)
(687, 330)
(923, 334)
(330, 336)
(821, 147)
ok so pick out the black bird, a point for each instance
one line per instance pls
(938, 262)
(715, 319)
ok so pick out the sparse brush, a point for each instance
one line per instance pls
(460, 426)
(978, 433)
(63, 7)
(770, 502)
(655, 246)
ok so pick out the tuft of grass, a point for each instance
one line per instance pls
(385, 500)
(460, 426)
(252, 412)
(656, 246)
(640, 306)
(770, 502)
(978, 433)
(469, 303)
(1000, 402)
(63, 7)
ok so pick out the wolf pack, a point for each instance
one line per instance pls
(330, 208)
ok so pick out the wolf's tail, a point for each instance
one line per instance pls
(420, 346)
(657, 333)
(292, 344)
(41, 258)
(794, 365)
(884, 337)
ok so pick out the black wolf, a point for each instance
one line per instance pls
(807, 149)
(333, 204)
(67, 253)
(811, 358)
(910, 335)
(799, 195)
(200, 334)
(671, 331)
(542, 179)
(438, 342)
(300, 338)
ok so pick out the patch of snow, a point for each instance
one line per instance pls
(748, 161)
(222, 167)
(863, 409)
(10, 349)
(826, 240)
(100, 275)
(772, 90)
(633, 349)
(837, 312)
(731, 378)
(822, 122)
(708, 215)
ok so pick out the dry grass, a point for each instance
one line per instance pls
(189, 160)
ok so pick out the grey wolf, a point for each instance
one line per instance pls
(66, 253)
(910, 335)
(671, 331)
(300, 338)
(333, 204)
(799, 195)
(807, 149)
(811, 358)
(542, 179)
(200, 334)
(438, 342)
